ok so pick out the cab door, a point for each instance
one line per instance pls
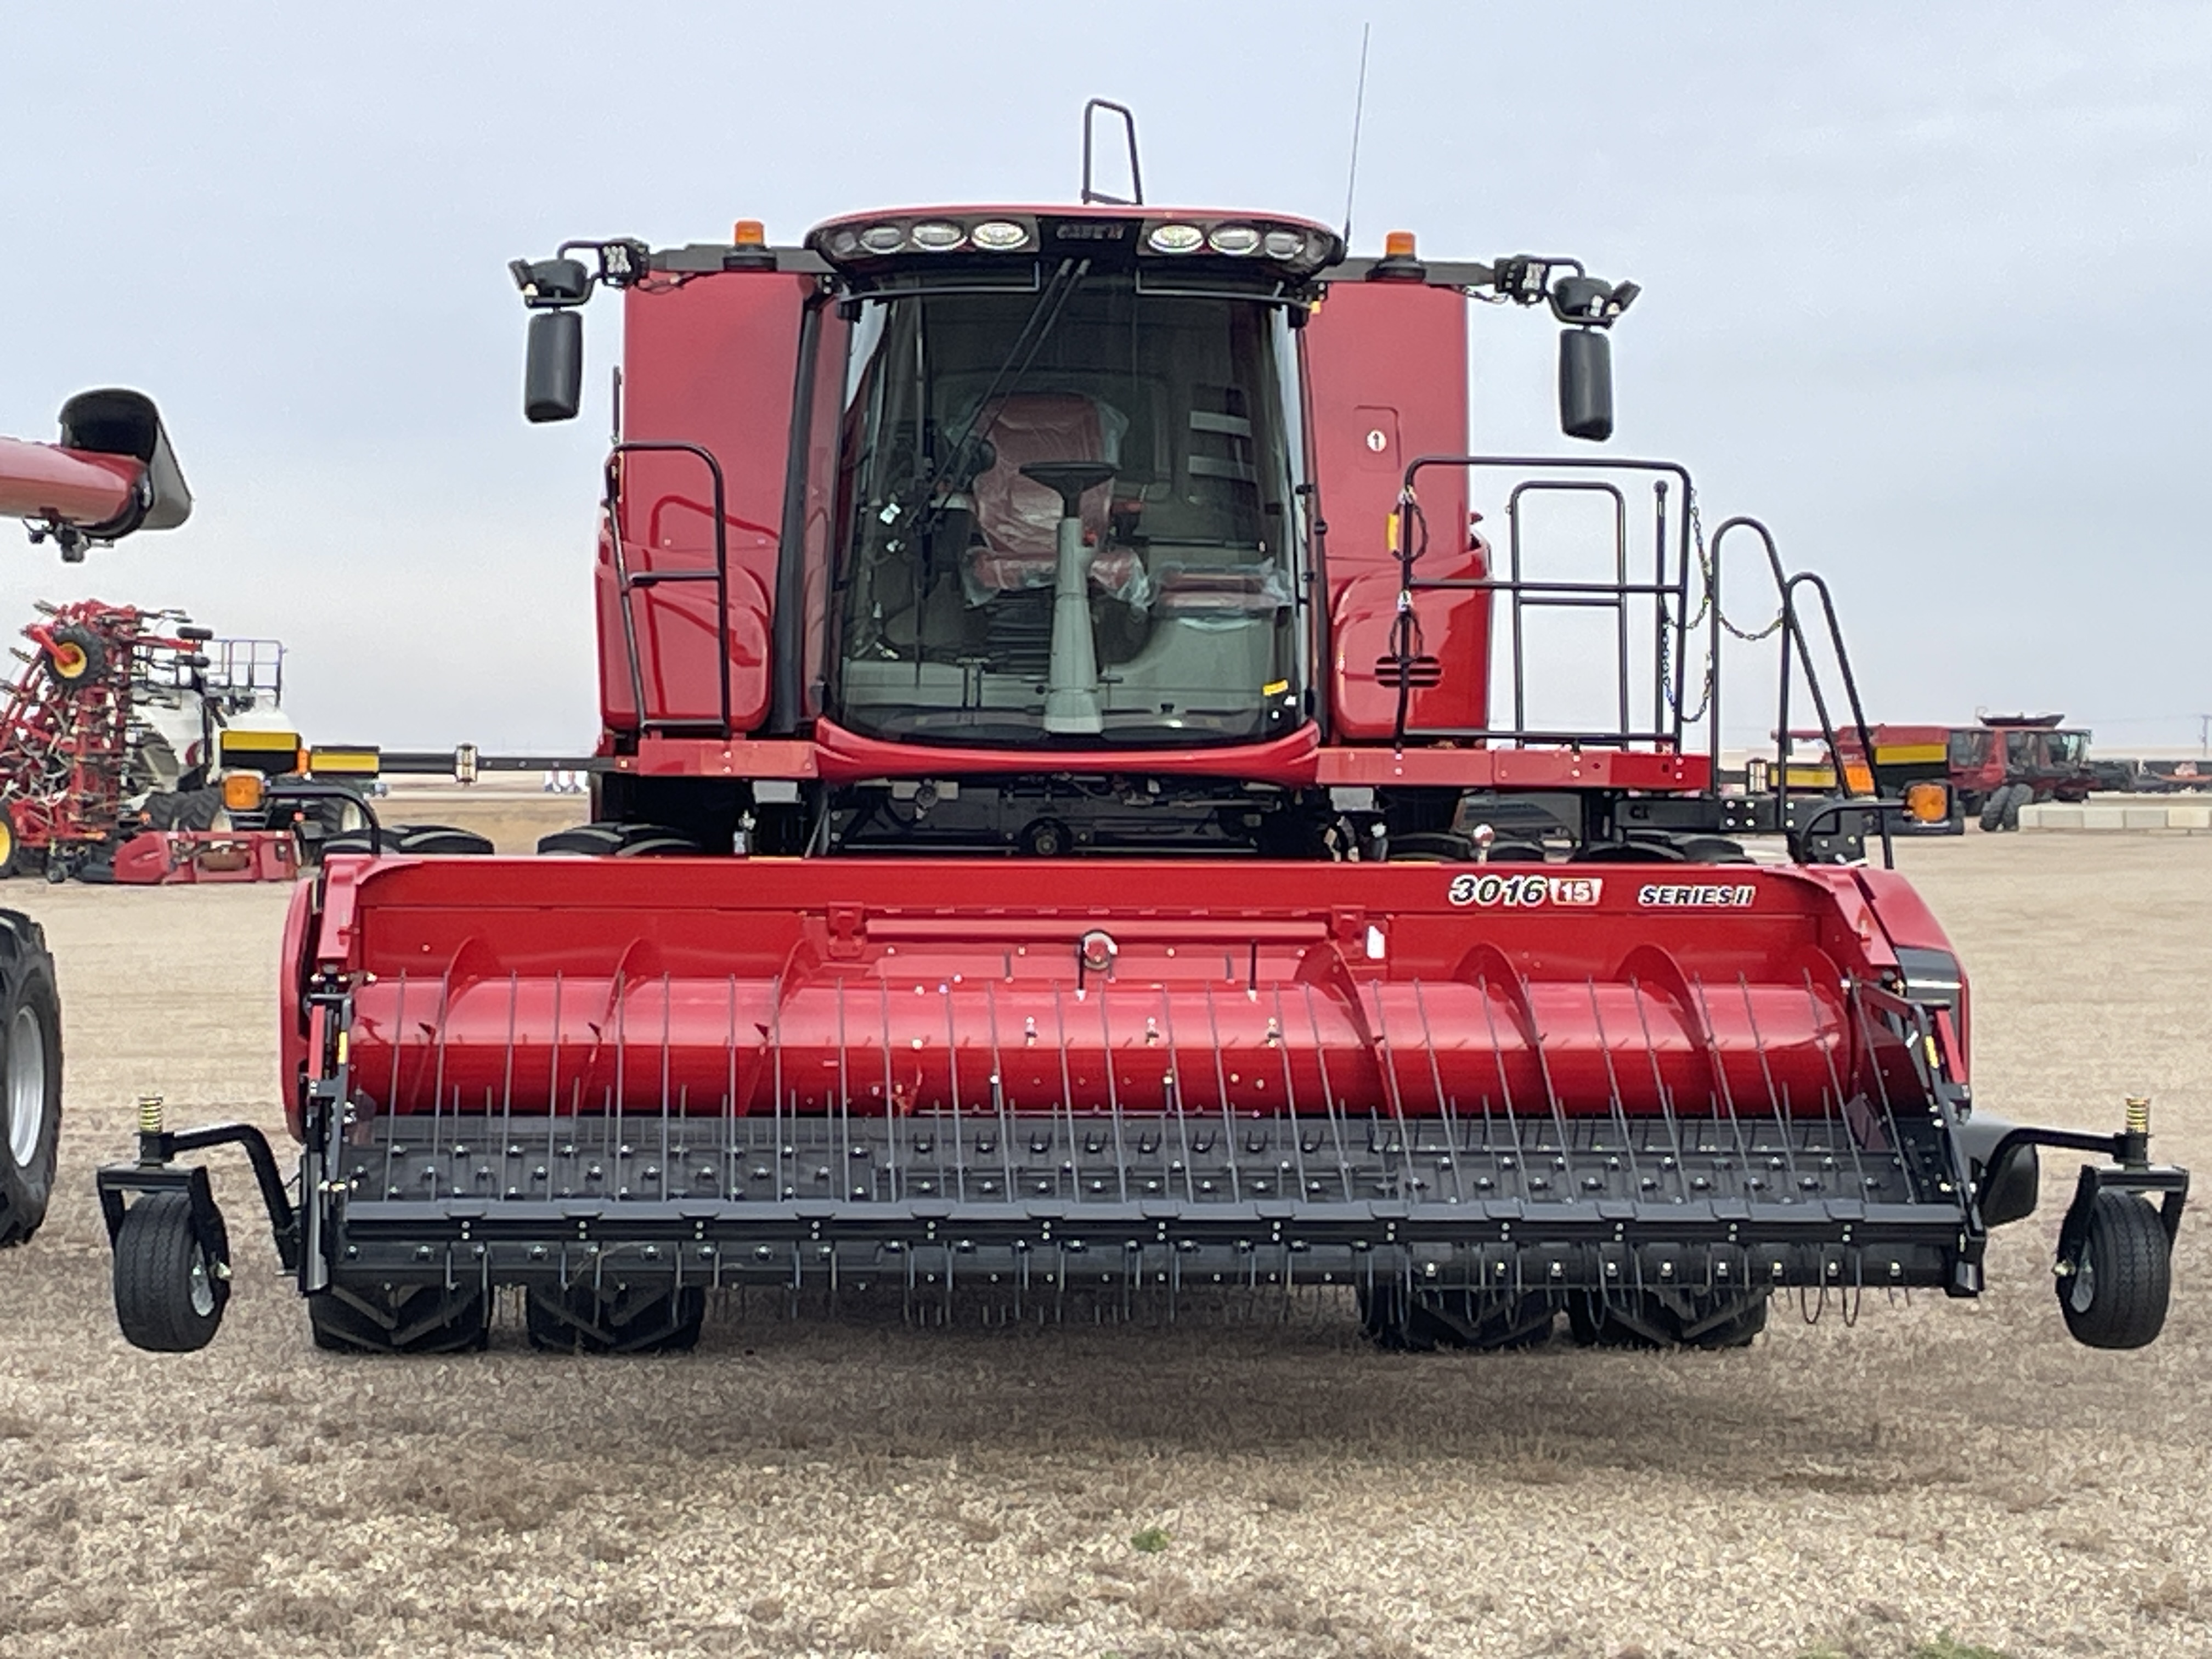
(1386, 382)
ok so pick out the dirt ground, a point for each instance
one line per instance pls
(799, 1488)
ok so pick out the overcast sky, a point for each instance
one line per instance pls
(1920, 285)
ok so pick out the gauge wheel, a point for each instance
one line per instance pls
(171, 1273)
(74, 655)
(2116, 1295)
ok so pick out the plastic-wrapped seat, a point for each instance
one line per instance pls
(1019, 517)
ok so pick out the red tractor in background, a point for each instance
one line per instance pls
(1082, 820)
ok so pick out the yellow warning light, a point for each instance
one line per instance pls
(749, 233)
(1928, 802)
(1398, 245)
(241, 792)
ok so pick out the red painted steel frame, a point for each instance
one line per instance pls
(169, 858)
(1293, 761)
(485, 984)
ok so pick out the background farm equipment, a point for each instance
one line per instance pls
(110, 730)
(113, 473)
(1986, 772)
(1082, 816)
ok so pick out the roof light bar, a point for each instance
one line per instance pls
(936, 233)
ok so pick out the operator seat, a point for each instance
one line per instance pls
(1019, 517)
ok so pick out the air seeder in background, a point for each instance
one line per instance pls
(1085, 816)
(111, 473)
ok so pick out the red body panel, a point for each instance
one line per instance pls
(1293, 761)
(1408, 989)
(76, 486)
(1386, 374)
(169, 858)
(712, 362)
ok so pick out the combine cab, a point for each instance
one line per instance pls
(1096, 806)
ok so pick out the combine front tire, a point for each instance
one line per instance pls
(30, 1078)
(2116, 1295)
(1653, 1320)
(1427, 1320)
(416, 839)
(581, 1320)
(172, 1274)
(618, 840)
(422, 1319)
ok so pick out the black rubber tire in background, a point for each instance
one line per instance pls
(172, 1282)
(1426, 1320)
(644, 1320)
(423, 840)
(2000, 812)
(416, 840)
(30, 1077)
(620, 840)
(418, 1319)
(1650, 1321)
(1431, 846)
(184, 809)
(1710, 849)
(2116, 1295)
(95, 656)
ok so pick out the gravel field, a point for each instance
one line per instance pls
(862, 1488)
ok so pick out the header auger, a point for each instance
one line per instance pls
(1086, 811)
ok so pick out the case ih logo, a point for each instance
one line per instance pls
(1526, 892)
(1660, 895)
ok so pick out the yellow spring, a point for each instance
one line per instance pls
(149, 1114)
(2138, 1114)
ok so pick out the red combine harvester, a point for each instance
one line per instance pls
(1079, 821)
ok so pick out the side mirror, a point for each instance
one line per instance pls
(1585, 384)
(553, 369)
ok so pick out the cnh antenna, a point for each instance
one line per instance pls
(1358, 110)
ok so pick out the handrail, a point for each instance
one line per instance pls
(1793, 634)
(627, 583)
(1666, 727)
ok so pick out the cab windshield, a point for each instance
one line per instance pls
(1068, 517)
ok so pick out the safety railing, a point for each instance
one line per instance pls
(629, 582)
(1670, 596)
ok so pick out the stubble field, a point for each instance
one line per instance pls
(811, 1488)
